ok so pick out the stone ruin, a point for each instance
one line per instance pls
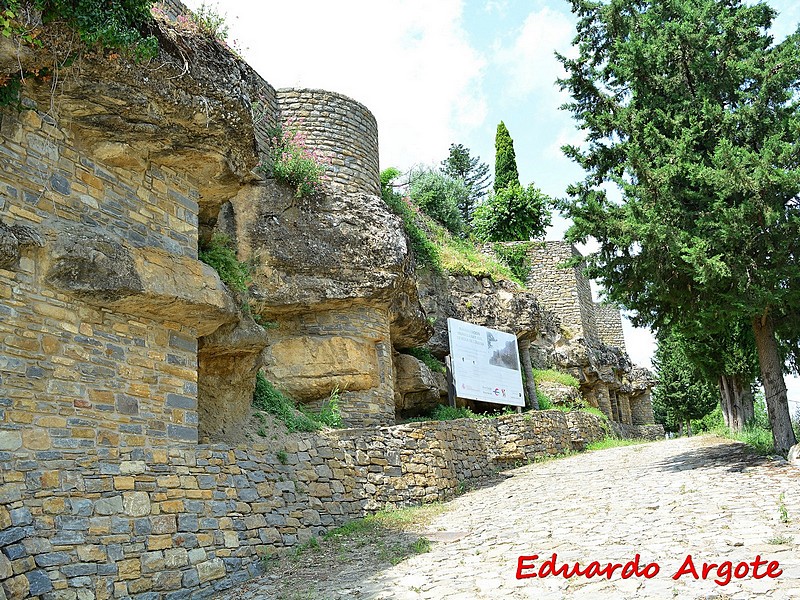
(126, 363)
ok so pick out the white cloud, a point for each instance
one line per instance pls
(409, 62)
(528, 59)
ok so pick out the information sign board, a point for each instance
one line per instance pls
(485, 364)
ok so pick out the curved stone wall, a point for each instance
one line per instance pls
(341, 130)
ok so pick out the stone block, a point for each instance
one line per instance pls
(129, 569)
(6, 570)
(17, 587)
(136, 504)
(108, 506)
(210, 570)
(10, 440)
(175, 558)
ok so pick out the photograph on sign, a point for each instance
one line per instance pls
(485, 364)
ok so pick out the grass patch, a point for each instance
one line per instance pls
(612, 442)
(268, 398)
(779, 540)
(594, 411)
(753, 434)
(554, 376)
(424, 354)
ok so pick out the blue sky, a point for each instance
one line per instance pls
(439, 71)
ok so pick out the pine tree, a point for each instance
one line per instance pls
(505, 164)
(690, 109)
(469, 169)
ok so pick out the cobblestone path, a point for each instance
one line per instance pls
(701, 496)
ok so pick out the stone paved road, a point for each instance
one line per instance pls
(700, 496)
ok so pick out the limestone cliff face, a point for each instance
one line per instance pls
(334, 272)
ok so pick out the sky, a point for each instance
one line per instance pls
(440, 72)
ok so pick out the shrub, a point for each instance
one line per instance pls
(424, 354)
(425, 252)
(512, 214)
(329, 414)
(439, 196)
(515, 256)
(269, 399)
(293, 163)
(219, 253)
(545, 403)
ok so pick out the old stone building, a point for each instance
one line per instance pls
(126, 363)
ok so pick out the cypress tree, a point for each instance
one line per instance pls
(505, 164)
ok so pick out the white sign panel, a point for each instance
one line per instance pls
(485, 364)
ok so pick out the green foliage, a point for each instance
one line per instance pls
(756, 433)
(106, 25)
(269, 399)
(449, 413)
(512, 214)
(282, 457)
(469, 169)
(440, 197)
(101, 25)
(424, 354)
(220, 254)
(515, 257)
(711, 422)
(595, 411)
(293, 162)
(555, 377)
(505, 163)
(545, 403)
(425, 252)
(690, 108)
(682, 391)
(329, 414)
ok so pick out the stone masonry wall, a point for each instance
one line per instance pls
(339, 129)
(565, 291)
(74, 375)
(608, 320)
(176, 523)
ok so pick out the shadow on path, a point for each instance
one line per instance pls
(733, 456)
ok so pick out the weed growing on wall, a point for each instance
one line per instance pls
(293, 162)
(515, 256)
(425, 252)
(424, 355)
(268, 398)
(220, 254)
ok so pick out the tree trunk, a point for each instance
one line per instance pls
(769, 360)
(736, 400)
(532, 400)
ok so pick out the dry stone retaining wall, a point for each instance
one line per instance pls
(152, 523)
